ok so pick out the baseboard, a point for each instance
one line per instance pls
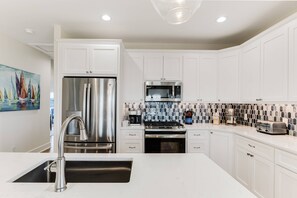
(41, 148)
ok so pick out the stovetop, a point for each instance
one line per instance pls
(163, 125)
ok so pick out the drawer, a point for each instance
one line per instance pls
(286, 160)
(257, 148)
(131, 146)
(197, 134)
(133, 134)
(198, 147)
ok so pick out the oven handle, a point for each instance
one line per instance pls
(166, 136)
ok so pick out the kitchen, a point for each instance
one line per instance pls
(164, 98)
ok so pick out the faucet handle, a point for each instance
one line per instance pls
(52, 167)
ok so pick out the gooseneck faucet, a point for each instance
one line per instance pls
(60, 183)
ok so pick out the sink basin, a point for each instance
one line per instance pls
(83, 172)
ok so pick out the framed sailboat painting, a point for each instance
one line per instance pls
(19, 90)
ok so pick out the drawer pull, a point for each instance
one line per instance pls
(251, 146)
(196, 134)
(132, 147)
(132, 134)
(196, 147)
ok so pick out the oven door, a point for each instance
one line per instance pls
(165, 143)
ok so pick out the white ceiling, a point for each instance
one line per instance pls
(136, 21)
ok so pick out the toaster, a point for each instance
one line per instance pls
(272, 128)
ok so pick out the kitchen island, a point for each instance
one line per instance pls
(152, 176)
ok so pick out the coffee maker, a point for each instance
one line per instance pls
(230, 116)
(135, 117)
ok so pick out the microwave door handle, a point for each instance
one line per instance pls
(84, 103)
(88, 107)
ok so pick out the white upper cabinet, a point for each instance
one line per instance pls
(207, 77)
(200, 77)
(104, 59)
(172, 67)
(79, 58)
(228, 64)
(190, 78)
(132, 77)
(160, 66)
(153, 66)
(275, 65)
(74, 58)
(292, 61)
(250, 72)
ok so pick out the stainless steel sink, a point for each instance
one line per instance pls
(83, 172)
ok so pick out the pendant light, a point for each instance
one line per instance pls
(176, 11)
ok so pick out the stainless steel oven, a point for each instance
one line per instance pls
(165, 139)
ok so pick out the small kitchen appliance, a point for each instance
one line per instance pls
(135, 117)
(188, 117)
(230, 117)
(163, 91)
(272, 128)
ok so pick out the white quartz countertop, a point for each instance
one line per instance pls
(153, 175)
(284, 142)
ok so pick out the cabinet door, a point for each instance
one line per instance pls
(132, 79)
(74, 58)
(172, 68)
(190, 80)
(207, 78)
(285, 183)
(221, 150)
(275, 65)
(153, 67)
(104, 59)
(228, 76)
(293, 61)
(250, 72)
(243, 167)
(262, 177)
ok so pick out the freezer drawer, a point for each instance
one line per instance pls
(72, 147)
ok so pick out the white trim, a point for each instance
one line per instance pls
(40, 148)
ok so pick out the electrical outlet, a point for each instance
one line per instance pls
(245, 117)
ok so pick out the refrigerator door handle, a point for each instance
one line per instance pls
(84, 103)
(88, 107)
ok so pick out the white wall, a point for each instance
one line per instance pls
(23, 131)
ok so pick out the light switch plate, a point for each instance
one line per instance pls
(245, 117)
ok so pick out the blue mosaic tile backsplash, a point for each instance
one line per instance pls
(203, 112)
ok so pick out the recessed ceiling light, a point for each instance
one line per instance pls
(221, 19)
(29, 30)
(106, 17)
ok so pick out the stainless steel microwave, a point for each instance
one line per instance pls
(163, 91)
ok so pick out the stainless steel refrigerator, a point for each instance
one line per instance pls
(94, 99)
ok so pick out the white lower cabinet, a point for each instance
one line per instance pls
(253, 171)
(131, 141)
(198, 141)
(221, 150)
(285, 183)
(285, 174)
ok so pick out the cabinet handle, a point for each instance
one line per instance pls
(91, 72)
(219, 100)
(196, 147)
(196, 134)
(132, 147)
(131, 134)
(248, 154)
(87, 72)
(251, 146)
(211, 132)
(251, 155)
